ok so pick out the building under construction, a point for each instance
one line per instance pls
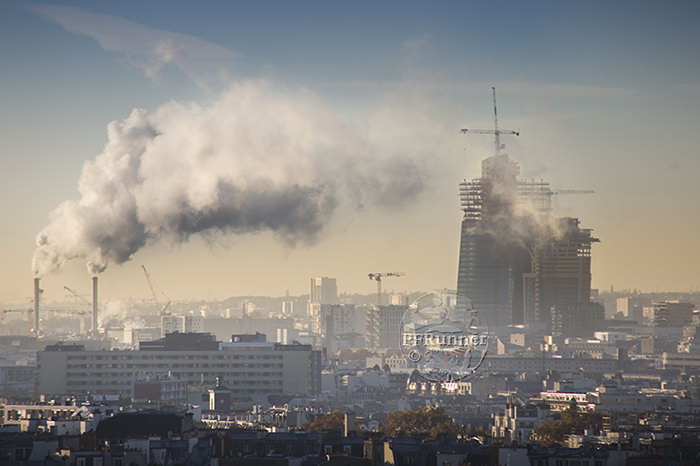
(517, 264)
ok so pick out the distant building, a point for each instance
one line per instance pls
(576, 319)
(246, 368)
(686, 361)
(629, 307)
(182, 324)
(17, 379)
(166, 389)
(515, 264)
(223, 328)
(670, 314)
(516, 424)
(287, 308)
(561, 279)
(384, 326)
(323, 290)
(542, 365)
(492, 257)
(338, 327)
(398, 299)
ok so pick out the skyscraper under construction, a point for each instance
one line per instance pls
(517, 264)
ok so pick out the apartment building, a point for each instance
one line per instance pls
(246, 368)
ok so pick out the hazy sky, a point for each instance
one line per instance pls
(606, 95)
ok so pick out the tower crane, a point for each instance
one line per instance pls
(162, 310)
(377, 276)
(496, 131)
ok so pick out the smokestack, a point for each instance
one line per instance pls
(94, 305)
(37, 297)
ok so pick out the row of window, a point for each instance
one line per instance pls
(174, 365)
(121, 375)
(130, 357)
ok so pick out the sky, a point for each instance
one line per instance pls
(606, 96)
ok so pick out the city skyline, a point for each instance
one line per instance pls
(582, 104)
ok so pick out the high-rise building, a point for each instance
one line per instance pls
(517, 262)
(323, 290)
(499, 228)
(560, 272)
(384, 326)
(339, 327)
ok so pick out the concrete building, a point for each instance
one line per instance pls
(629, 307)
(514, 264)
(542, 365)
(686, 361)
(492, 257)
(339, 327)
(166, 389)
(576, 319)
(516, 424)
(561, 274)
(323, 290)
(670, 314)
(247, 368)
(182, 324)
(384, 326)
(223, 328)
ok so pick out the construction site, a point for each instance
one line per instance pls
(518, 263)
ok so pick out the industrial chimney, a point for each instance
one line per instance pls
(37, 297)
(94, 305)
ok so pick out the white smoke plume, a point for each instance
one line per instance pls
(258, 158)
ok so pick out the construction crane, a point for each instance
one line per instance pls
(496, 131)
(378, 278)
(162, 310)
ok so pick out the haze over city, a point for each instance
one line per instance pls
(605, 96)
(320, 233)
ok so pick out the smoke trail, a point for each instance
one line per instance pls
(259, 158)
(510, 219)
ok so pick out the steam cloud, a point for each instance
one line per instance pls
(259, 158)
(511, 221)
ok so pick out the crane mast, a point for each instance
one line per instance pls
(162, 310)
(496, 131)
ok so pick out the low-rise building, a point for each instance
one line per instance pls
(247, 368)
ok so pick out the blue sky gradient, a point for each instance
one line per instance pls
(607, 95)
